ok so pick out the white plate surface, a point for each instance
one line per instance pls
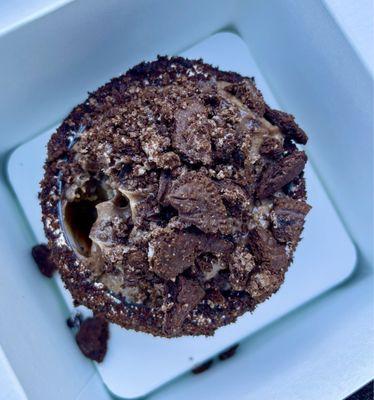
(138, 363)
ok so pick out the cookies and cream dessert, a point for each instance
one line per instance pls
(174, 198)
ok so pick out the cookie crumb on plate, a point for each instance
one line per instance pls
(92, 338)
(228, 353)
(202, 368)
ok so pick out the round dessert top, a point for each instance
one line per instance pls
(173, 198)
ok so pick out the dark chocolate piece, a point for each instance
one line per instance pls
(225, 355)
(288, 218)
(202, 368)
(271, 147)
(41, 255)
(266, 250)
(247, 92)
(281, 173)
(190, 293)
(198, 202)
(92, 338)
(287, 125)
(173, 253)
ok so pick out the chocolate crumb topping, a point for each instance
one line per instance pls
(191, 135)
(271, 147)
(173, 200)
(241, 265)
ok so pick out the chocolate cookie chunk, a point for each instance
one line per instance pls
(288, 218)
(266, 250)
(280, 174)
(170, 253)
(41, 256)
(197, 200)
(202, 367)
(173, 200)
(287, 125)
(228, 353)
(190, 293)
(92, 338)
(191, 135)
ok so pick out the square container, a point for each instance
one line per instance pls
(46, 67)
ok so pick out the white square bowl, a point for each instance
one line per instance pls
(48, 65)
